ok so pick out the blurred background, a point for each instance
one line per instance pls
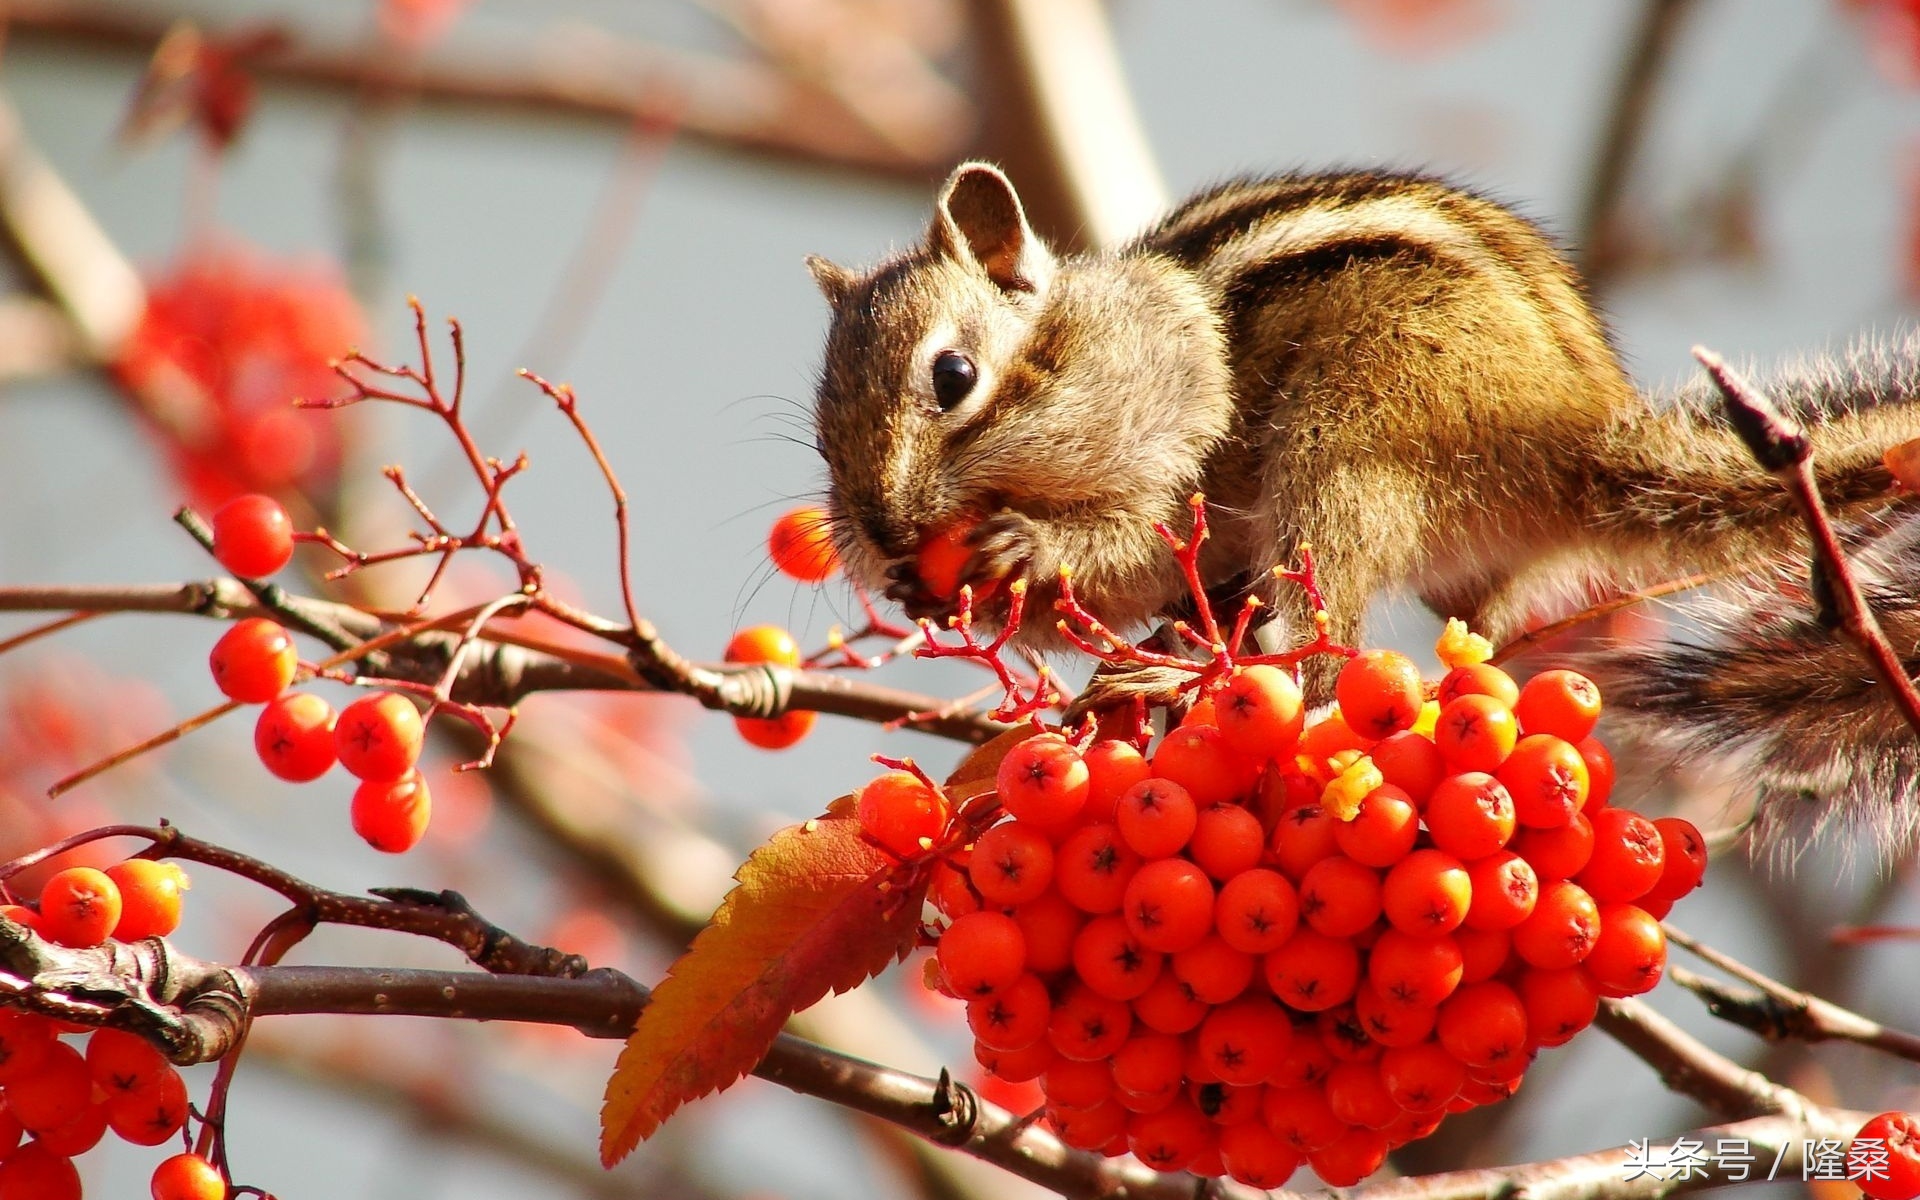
(206, 201)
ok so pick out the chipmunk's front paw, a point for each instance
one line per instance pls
(1118, 686)
(1003, 548)
(906, 588)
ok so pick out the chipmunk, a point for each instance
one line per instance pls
(1403, 374)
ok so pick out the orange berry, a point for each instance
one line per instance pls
(1557, 853)
(1303, 836)
(1599, 771)
(1559, 1002)
(1561, 929)
(1213, 971)
(1256, 911)
(1563, 703)
(1198, 758)
(776, 733)
(1086, 1026)
(1630, 954)
(1409, 969)
(1227, 840)
(1379, 693)
(1547, 779)
(1112, 960)
(1093, 867)
(801, 545)
(79, 907)
(392, 815)
(378, 738)
(1112, 768)
(55, 1092)
(1384, 829)
(1050, 924)
(943, 554)
(1349, 1158)
(1013, 1017)
(1422, 1077)
(294, 737)
(1358, 1095)
(1156, 817)
(1505, 889)
(252, 536)
(1169, 904)
(1339, 897)
(763, 644)
(1483, 1024)
(1260, 713)
(253, 661)
(149, 898)
(1172, 1139)
(1426, 893)
(1411, 763)
(1475, 733)
(187, 1177)
(1012, 862)
(152, 1113)
(981, 953)
(1683, 859)
(1478, 679)
(1243, 1042)
(900, 811)
(1470, 815)
(1629, 856)
(1312, 972)
(1044, 781)
(34, 1172)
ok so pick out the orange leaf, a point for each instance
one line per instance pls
(819, 908)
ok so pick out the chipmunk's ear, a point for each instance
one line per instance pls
(979, 218)
(835, 280)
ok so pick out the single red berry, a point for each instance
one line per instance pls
(1086, 1026)
(1630, 954)
(1012, 863)
(1214, 971)
(763, 644)
(26, 1039)
(1389, 1022)
(1169, 905)
(34, 1172)
(294, 737)
(1256, 911)
(56, 1091)
(1557, 853)
(252, 536)
(1199, 758)
(1629, 856)
(1156, 817)
(188, 1177)
(1172, 1139)
(392, 816)
(898, 810)
(1259, 712)
(1110, 959)
(1093, 867)
(1313, 972)
(1050, 923)
(79, 907)
(253, 661)
(1169, 1006)
(1683, 859)
(1303, 835)
(122, 1062)
(981, 953)
(1478, 679)
(1547, 779)
(1349, 1158)
(1379, 693)
(1560, 1002)
(378, 737)
(1112, 768)
(801, 545)
(1227, 839)
(1475, 733)
(1411, 762)
(1014, 1017)
(1359, 1096)
(1483, 1024)
(1561, 929)
(1470, 815)
(776, 733)
(1256, 1156)
(1409, 969)
(150, 1114)
(1563, 703)
(1383, 831)
(149, 897)
(1043, 781)
(1422, 1077)
(1884, 1158)
(1428, 892)
(1340, 897)
(1505, 889)
(79, 1135)
(1243, 1042)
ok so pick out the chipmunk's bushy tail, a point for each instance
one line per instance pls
(1786, 700)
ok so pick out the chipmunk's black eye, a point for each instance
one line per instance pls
(953, 377)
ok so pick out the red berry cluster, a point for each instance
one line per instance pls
(298, 736)
(61, 1087)
(1267, 943)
